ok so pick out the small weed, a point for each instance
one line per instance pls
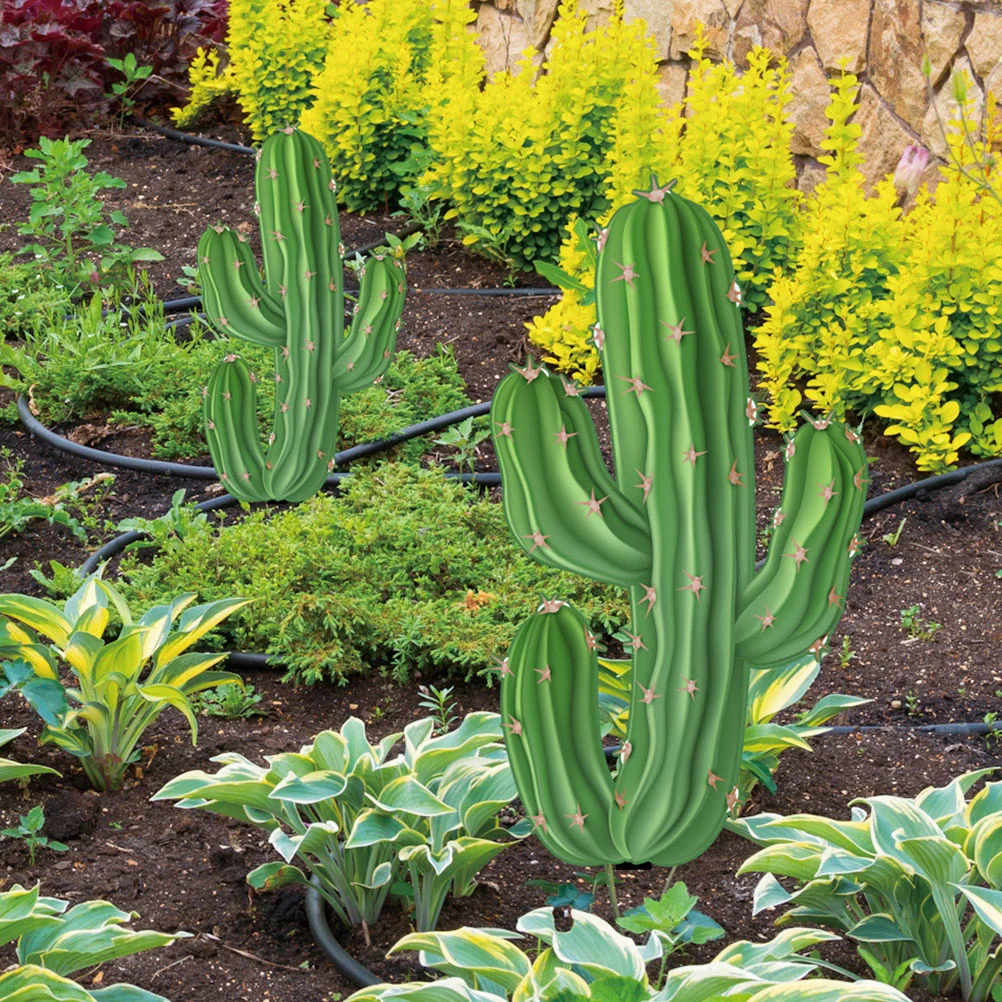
(989, 719)
(29, 831)
(231, 702)
(377, 713)
(465, 440)
(962, 692)
(912, 702)
(124, 90)
(117, 825)
(917, 627)
(440, 705)
(847, 653)
(891, 538)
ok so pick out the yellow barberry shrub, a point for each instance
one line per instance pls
(728, 147)
(528, 152)
(937, 368)
(371, 100)
(273, 50)
(208, 81)
(825, 314)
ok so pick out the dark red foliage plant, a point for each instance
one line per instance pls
(53, 57)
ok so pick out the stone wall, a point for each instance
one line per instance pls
(884, 41)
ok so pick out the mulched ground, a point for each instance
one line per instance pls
(186, 869)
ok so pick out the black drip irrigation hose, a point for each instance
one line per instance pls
(316, 917)
(192, 140)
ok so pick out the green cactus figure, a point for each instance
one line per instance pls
(676, 527)
(299, 311)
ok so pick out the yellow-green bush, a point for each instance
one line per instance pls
(823, 315)
(728, 147)
(528, 152)
(209, 80)
(369, 101)
(274, 49)
(897, 316)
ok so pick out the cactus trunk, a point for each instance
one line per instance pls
(676, 527)
(299, 311)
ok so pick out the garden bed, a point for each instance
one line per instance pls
(186, 870)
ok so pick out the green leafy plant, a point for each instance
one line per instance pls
(663, 275)
(125, 90)
(230, 702)
(891, 538)
(121, 686)
(847, 654)
(673, 921)
(180, 521)
(29, 831)
(591, 960)
(9, 769)
(568, 895)
(465, 441)
(361, 821)
(298, 311)
(67, 223)
(441, 705)
(54, 943)
(913, 703)
(917, 882)
(63, 582)
(403, 570)
(17, 510)
(917, 627)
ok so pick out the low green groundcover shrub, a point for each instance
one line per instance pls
(404, 571)
(143, 374)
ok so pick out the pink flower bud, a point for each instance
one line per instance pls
(913, 162)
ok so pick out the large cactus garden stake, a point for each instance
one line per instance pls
(676, 527)
(299, 311)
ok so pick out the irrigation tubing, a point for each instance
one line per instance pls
(192, 140)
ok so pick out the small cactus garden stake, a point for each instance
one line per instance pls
(298, 309)
(676, 527)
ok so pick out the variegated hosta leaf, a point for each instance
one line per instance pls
(87, 935)
(23, 909)
(9, 769)
(478, 956)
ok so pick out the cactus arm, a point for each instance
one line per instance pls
(790, 605)
(233, 294)
(366, 351)
(552, 467)
(231, 429)
(558, 709)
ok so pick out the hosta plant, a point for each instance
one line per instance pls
(769, 693)
(119, 686)
(53, 944)
(360, 819)
(9, 769)
(916, 882)
(592, 960)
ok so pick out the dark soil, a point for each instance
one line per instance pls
(185, 870)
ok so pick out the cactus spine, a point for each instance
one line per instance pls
(676, 527)
(299, 311)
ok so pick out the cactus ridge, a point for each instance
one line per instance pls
(298, 310)
(675, 525)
